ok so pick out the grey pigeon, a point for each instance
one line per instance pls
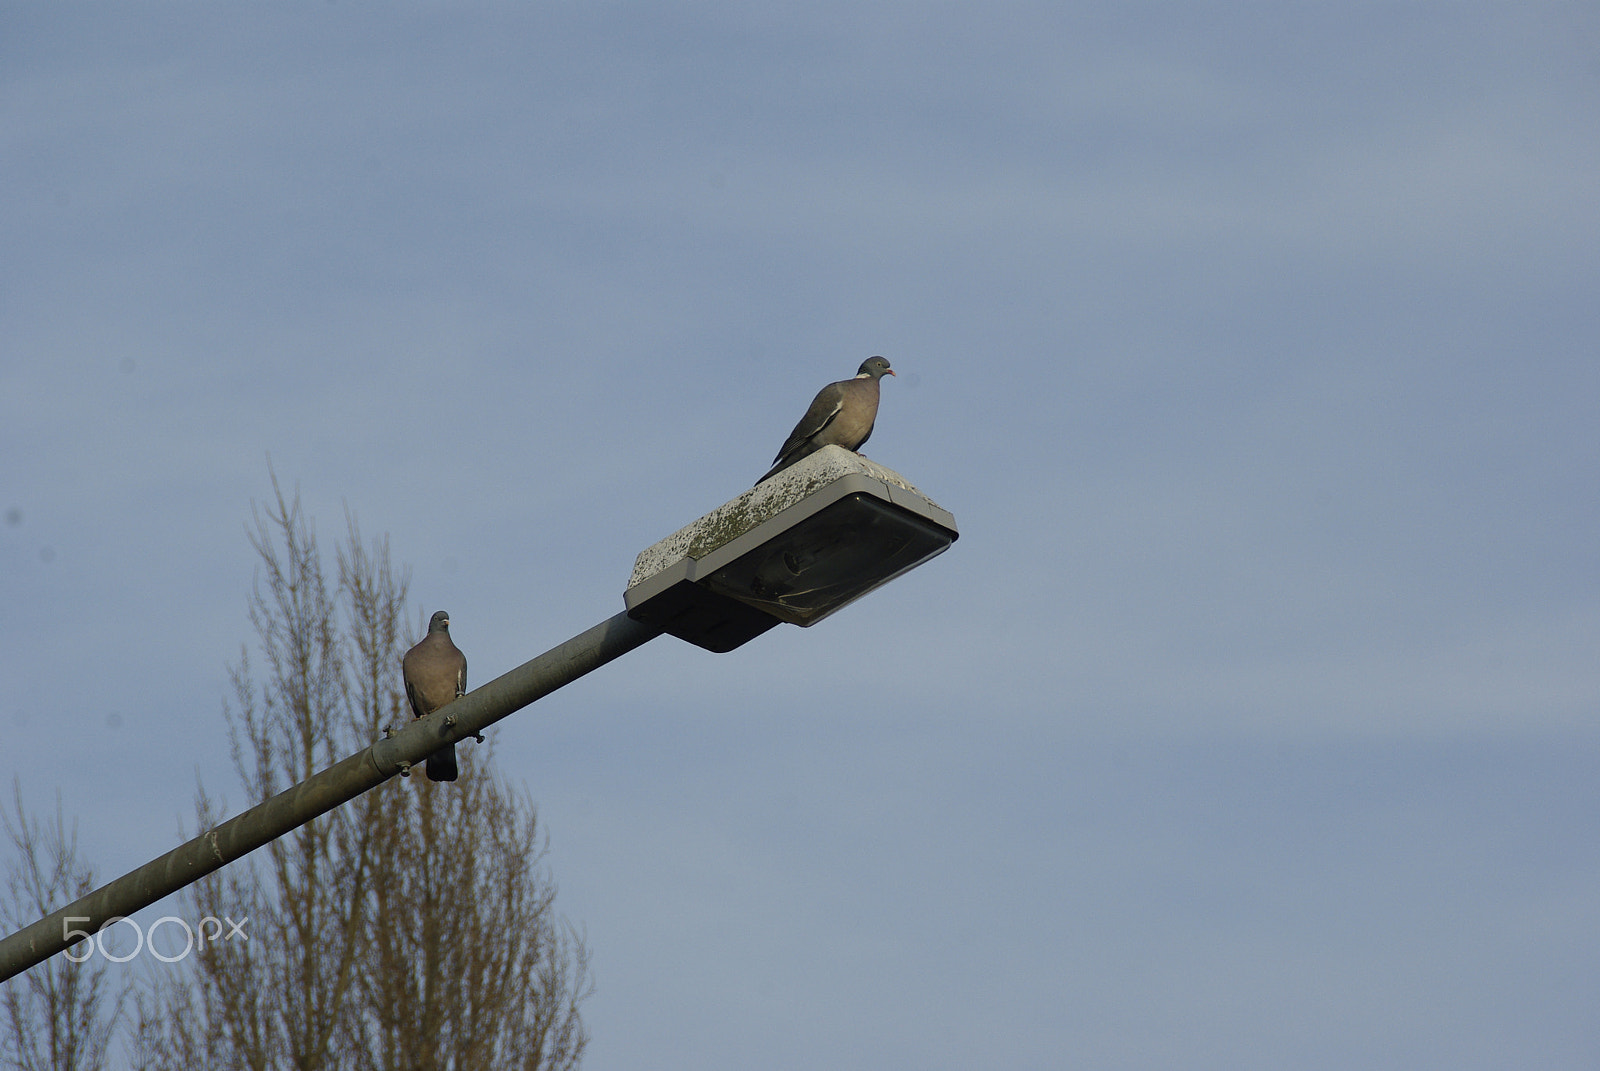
(842, 414)
(435, 672)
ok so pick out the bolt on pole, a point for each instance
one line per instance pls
(323, 791)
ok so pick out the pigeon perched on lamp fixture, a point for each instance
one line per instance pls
(842, 414)
(435, 673)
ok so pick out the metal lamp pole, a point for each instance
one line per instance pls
(795, 548)
(322, 792)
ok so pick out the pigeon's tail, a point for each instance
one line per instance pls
(442, 764)
(785, 460)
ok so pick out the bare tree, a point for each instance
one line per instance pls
(413, 927)
(469, 969)
(63, 1013)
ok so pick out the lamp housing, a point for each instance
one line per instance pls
(796, 547)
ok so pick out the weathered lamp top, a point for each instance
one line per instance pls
(796, 547)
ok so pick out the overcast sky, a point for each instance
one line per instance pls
(1252, 723)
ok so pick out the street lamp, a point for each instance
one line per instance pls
(810, 540)
(818, 535)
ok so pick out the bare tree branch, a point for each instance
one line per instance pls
(61, 1014)
(411, 928)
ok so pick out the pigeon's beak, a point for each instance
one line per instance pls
(890, 371)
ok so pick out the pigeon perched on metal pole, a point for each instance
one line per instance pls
(435, 673)
(842, 414)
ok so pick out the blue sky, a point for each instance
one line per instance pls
(1252, 722)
